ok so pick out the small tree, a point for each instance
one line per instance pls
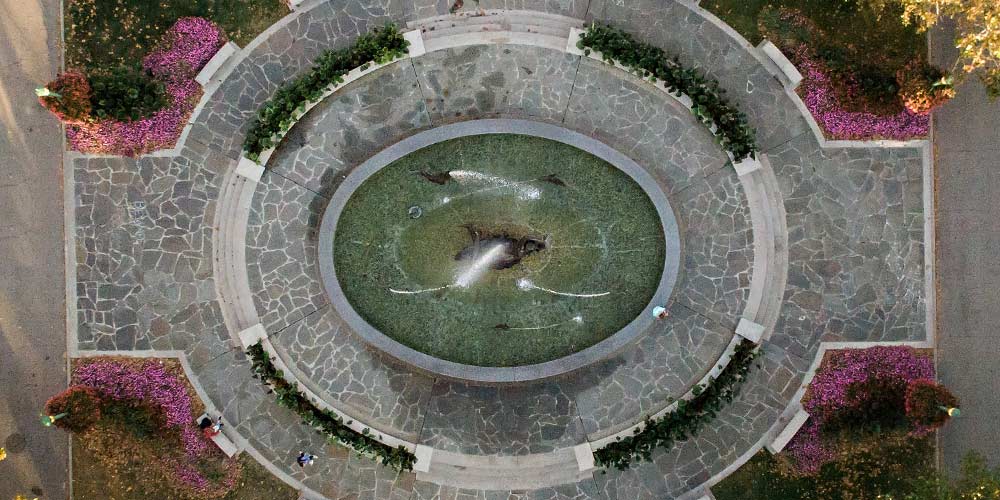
(978, 39)
(68, 97)
(977, 482)
(928, 403)
(80, 404)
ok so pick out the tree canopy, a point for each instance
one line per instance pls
(978, 37)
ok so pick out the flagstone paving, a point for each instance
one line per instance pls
(146, 272)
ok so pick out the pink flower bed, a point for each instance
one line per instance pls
(152, 384)
(822, 101)
(185, 48)
(832, 390)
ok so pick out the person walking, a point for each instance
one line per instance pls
(305, 459)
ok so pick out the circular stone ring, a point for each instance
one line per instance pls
(485, 374)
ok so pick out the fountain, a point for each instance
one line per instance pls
(499, 250)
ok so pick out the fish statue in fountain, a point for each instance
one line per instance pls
(440, 178)
(514, 248)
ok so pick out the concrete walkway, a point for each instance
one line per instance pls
(967, 164)
(32, 284)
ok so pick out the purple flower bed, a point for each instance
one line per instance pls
(185, 48)
(818, 93)
(151, 383)
(836, 388)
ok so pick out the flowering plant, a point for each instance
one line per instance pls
(856, 389)
(824, 103)
(852, 100)
(151, 384)
(184, 49)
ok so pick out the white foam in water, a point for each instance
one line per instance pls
(526, 284)
(414, 292)
(479, 266)
(523, 191)
(575, 319)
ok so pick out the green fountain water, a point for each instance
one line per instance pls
(499, 250)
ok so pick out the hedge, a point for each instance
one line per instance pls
(686, 419)
(278, 114)
(326, 421)
(709, 103)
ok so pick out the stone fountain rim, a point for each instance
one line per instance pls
(485, 374)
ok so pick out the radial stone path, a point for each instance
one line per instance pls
(176, 254)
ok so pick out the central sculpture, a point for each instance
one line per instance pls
(499, 250)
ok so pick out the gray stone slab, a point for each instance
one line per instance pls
(666, 363)
(340, 366)
(855, 225)
(855, 221)
(279, 435)
(684, 31)
(583, 490)
(643, 123)
(483, 81)
(688, 464)
(506, 420)
(350, 126)
(288, 51)
(144, 267)
(718, 247)
(419, 9)
(281, 252)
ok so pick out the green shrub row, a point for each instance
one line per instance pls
(126, 93)
(325, 421)
(709, 104)
(277, 115)
(686, 419)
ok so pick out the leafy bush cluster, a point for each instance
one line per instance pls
(923, 87)
(130, 110)
(126, 94)
(883, 468)
(977, 482)
(859, 395)
(709, 102)
(326, 421)
(278, 114)
(862, 81)
(688, 417)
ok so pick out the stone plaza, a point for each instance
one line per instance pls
(814, 245)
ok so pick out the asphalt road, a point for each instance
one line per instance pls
(967, 164)
(32, 282)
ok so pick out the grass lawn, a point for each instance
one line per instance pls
(106, 33)
(92, 481)
(858, 29)
(883, 468)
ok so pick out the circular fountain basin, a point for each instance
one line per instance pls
(486, 246)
